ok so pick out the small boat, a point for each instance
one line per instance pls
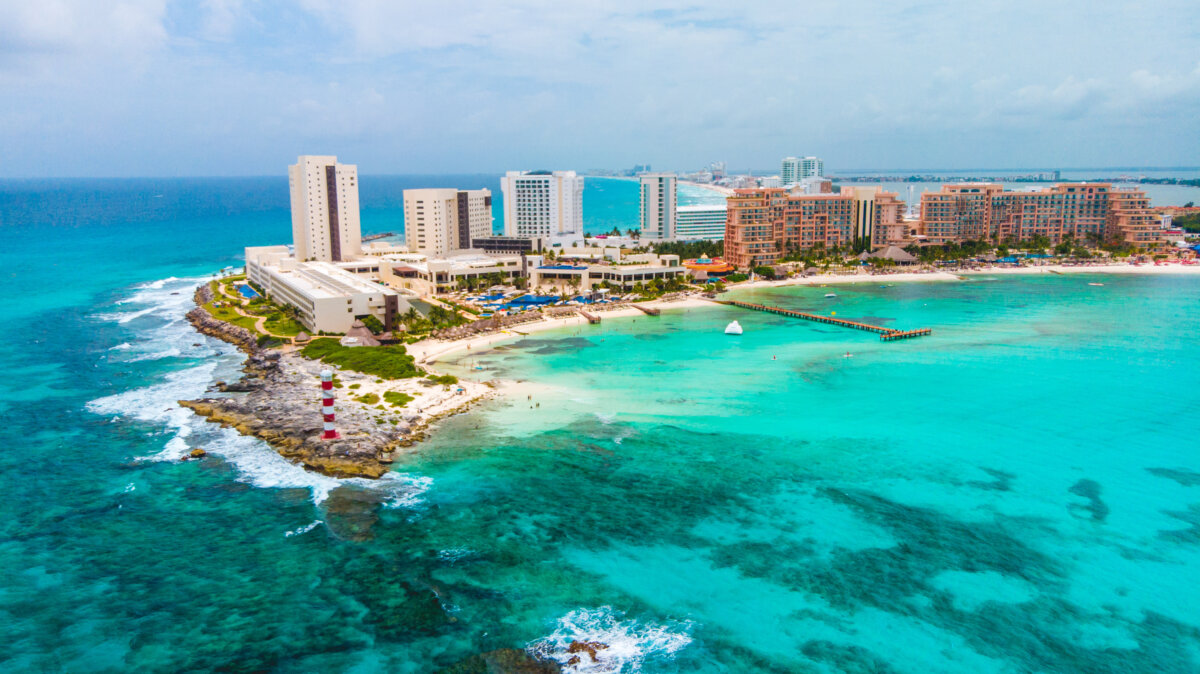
(1095, 284)
(733, 328)
(831, 294)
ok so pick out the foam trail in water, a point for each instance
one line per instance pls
(304, 529)
(626, 643)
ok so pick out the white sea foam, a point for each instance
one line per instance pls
(304, 529)
(628, 642)
(255, 461)
(168, 300)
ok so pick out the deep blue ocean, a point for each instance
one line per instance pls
(1018, 492)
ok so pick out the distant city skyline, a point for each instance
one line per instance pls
(153, 88)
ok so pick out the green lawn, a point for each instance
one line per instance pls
(227, 314)
(282, 324)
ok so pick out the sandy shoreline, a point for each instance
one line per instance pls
(724, 191)
(430, 351)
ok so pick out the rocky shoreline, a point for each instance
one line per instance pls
(278, 400)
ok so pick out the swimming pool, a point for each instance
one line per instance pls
(247, 291)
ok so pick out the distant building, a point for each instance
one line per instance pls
(498, 245)
(591, 269)
(695, 223)
(542, 203)
(789, 171)
(811, 167)
(874, 210)
(770, 181)
(437, 221)
(793, 170)
(1081, 211)
(324, 194)
(658, 206)
(815, 185)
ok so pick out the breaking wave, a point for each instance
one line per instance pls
(607, 642)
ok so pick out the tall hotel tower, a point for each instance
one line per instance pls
(325, 224)
(542, 203)
(438, 221)
(658, 206)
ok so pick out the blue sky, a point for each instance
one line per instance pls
(241, 87)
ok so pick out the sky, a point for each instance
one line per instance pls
(242, 87)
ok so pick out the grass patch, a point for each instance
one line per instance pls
(282, 324)
(227, 314)
(368, 399)
(354, 386)
(443, 379)
(385, 362)
(397, 398)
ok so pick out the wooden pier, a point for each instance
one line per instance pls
(649, 311)
(905, 334)
(591, 318)
(885, 334)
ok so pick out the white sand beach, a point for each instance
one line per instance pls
(429, 351)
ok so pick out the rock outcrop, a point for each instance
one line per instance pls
(288, 419)
(278, 400)
(226, 332)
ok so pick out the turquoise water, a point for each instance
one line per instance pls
(1018, 492)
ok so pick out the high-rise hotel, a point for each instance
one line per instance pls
(658, 200)
(438, 221)
(542, 203)
(764, 224)
(1080, 211)
(325, 224)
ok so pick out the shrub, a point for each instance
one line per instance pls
(368, 399)
(736, 278)
(443, 379)
(397, 398)
(385, 362)
(373, 324)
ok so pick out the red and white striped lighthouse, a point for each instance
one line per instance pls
(327, 404)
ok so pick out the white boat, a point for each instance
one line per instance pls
(831, 294)
(1095, 284)
(733, 328)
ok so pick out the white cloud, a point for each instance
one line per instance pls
(39, 37)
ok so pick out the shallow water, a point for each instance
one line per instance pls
(1017, 492)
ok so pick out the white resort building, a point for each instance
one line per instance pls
(702, 222)
(438, 221)
(327, 297)
(542, 203)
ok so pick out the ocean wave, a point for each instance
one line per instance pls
(618, 644)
